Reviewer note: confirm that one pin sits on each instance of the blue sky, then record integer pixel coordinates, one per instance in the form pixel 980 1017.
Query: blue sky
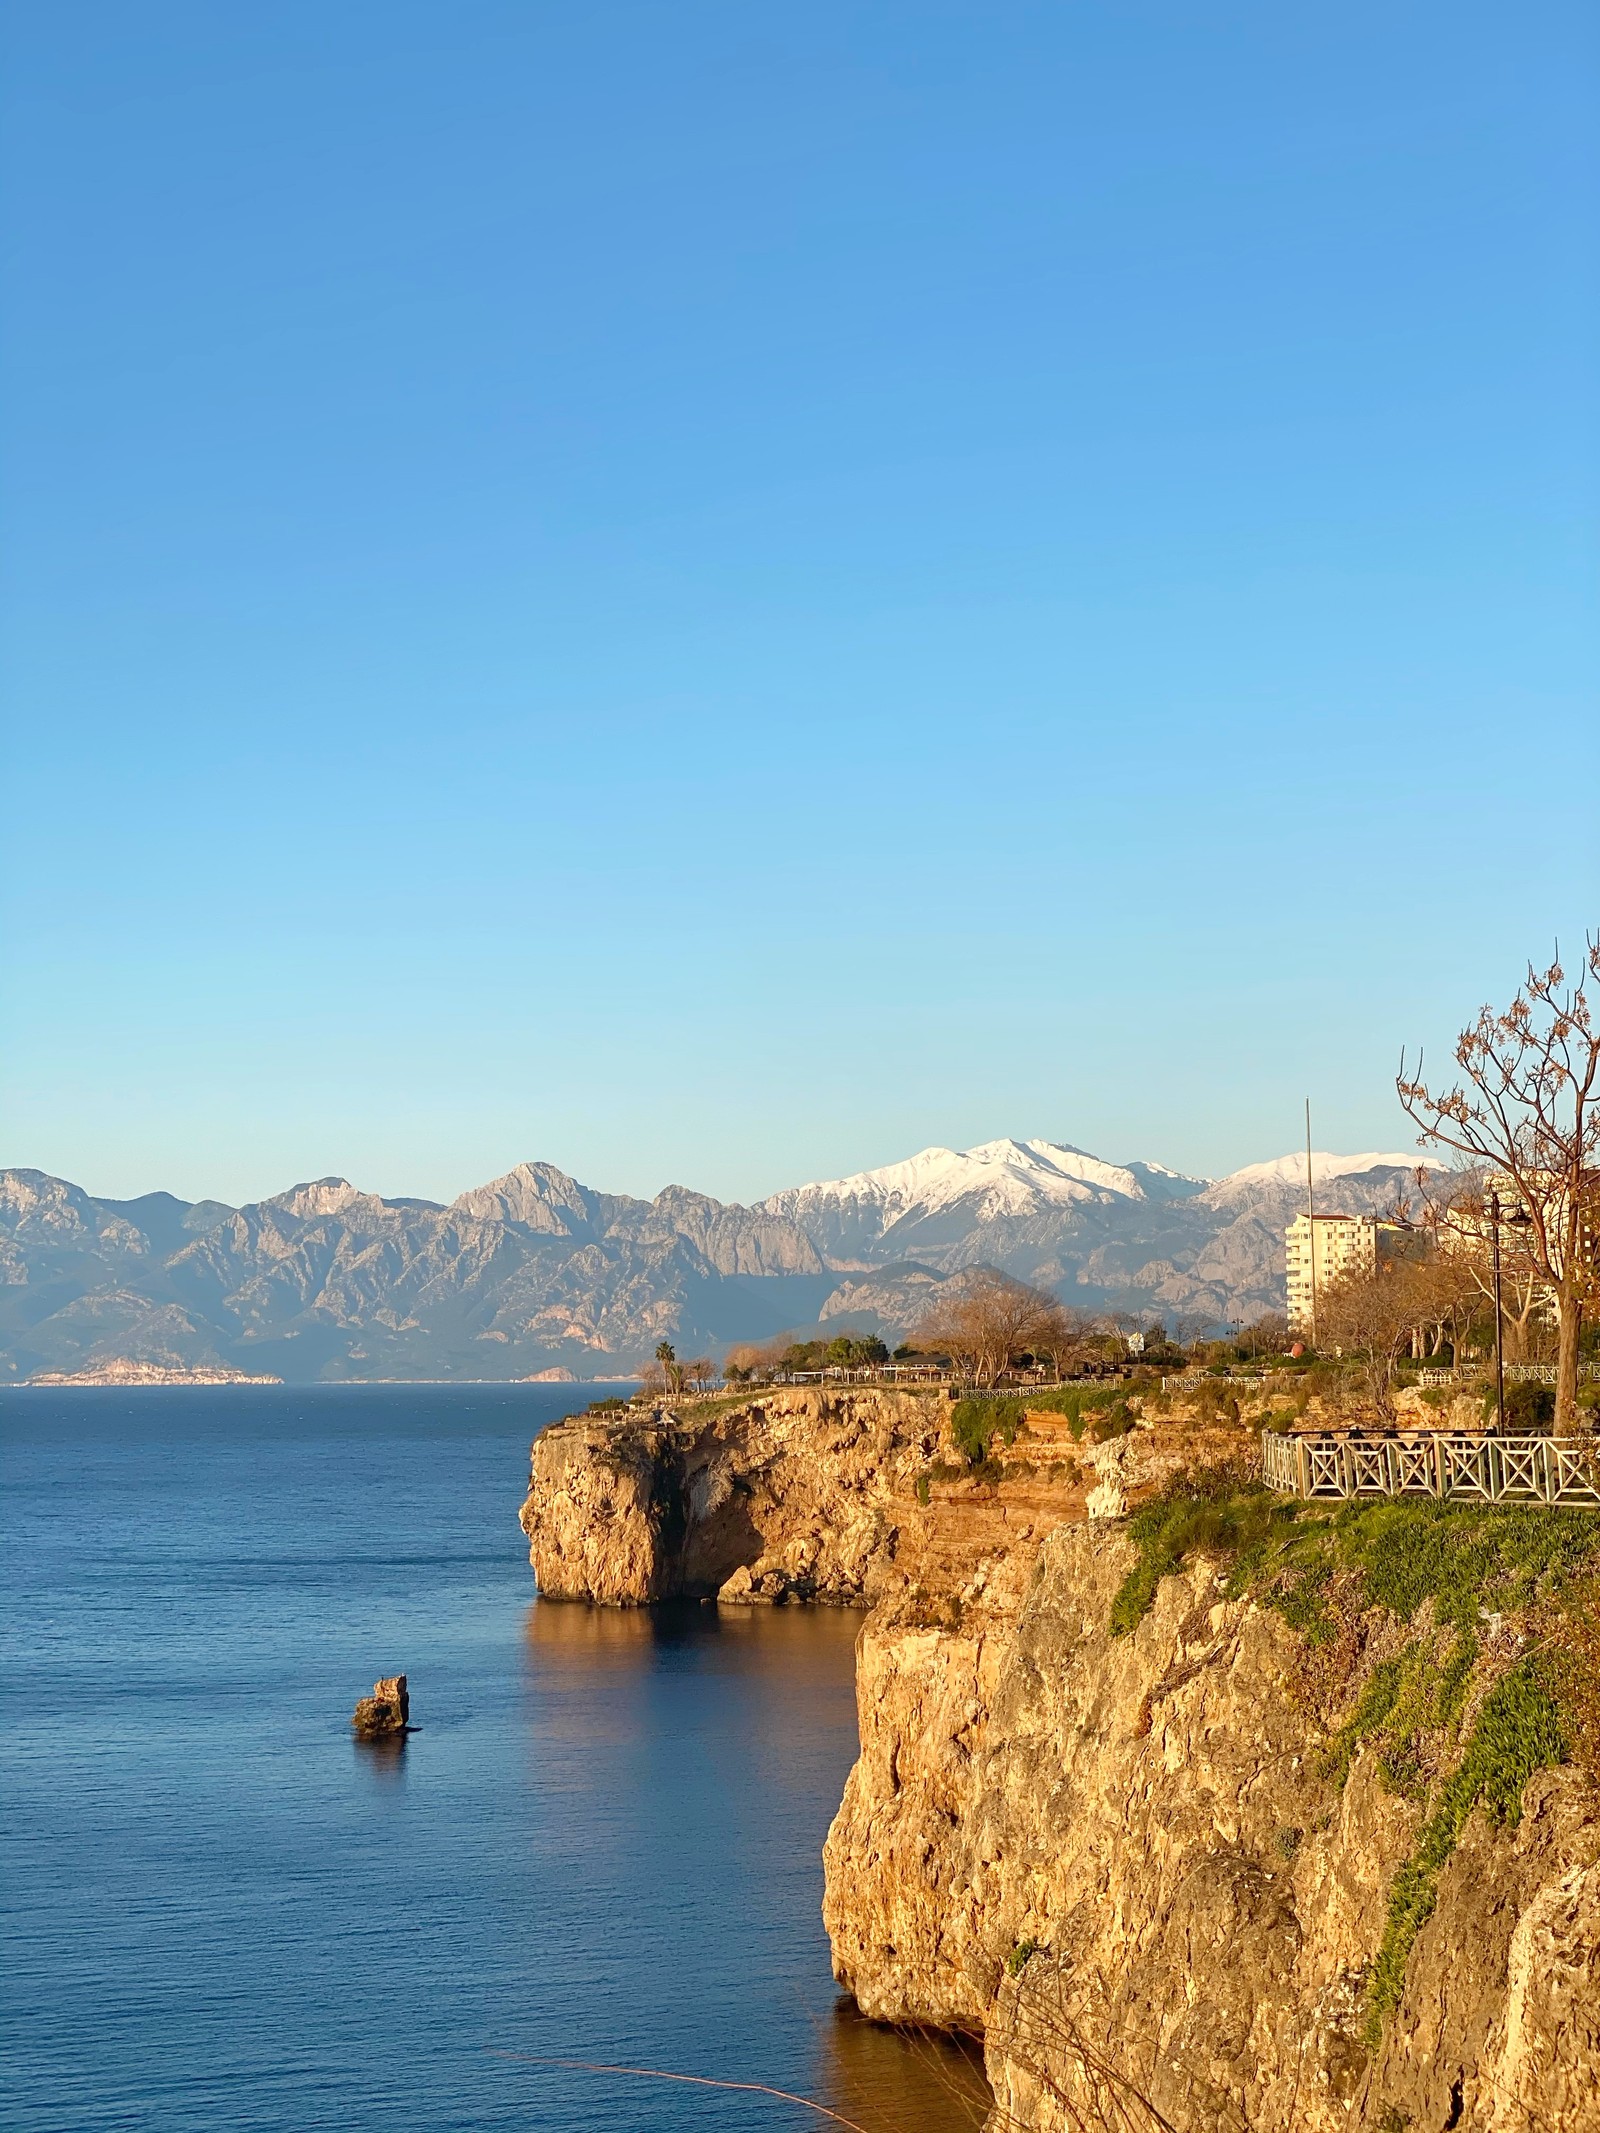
pixel 721 592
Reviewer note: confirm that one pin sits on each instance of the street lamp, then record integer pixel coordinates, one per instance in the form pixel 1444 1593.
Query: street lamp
pixel 1518 1219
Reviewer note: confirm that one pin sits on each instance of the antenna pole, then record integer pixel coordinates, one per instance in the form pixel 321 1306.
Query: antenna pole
pixel 1311 1227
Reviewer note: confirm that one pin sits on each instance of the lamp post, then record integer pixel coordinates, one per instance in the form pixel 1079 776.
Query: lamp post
pixel 1499 1343
pixel 1519 1218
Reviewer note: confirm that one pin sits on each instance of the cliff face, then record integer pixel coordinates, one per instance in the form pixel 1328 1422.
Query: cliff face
pixel 795 1495
pixel 1118 1860
pixel 1121 1860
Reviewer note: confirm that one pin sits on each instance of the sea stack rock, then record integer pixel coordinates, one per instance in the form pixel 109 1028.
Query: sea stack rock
pixel 386 1710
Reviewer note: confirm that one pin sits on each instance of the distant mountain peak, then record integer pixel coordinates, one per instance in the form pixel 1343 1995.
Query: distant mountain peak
pixel 534 1272
pixel 994 1179
pixel 1290 1170
pixel 532 1195
pixel 321 1196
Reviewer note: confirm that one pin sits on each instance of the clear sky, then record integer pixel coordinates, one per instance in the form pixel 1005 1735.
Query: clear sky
pixel 719 592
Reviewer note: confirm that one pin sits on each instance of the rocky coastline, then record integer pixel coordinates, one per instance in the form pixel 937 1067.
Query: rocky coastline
pixel 1124 1861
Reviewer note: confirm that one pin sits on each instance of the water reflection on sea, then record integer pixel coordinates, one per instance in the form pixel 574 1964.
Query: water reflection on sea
pixel 750 1709
pixel 602 1843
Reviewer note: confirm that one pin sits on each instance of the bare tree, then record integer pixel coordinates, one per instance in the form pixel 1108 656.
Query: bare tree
pixel 1528 1108
pixel 1267 1335
pixel 991 1319
pixel 1449 1296
pixel 755 1360
pixel 1376 1317
pixel 1065 1337
pixel 1462 1223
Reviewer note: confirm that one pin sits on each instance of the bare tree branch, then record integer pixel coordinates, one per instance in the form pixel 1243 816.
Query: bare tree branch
pixel 1527 1108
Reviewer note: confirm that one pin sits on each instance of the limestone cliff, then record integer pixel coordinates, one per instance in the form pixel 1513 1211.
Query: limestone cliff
pixel 793 1495
pixel 1121 1862
pixel 1124 1861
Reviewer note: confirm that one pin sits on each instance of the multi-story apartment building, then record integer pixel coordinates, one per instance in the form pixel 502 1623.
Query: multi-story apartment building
pixel 1468 1227
pixel 1334 1247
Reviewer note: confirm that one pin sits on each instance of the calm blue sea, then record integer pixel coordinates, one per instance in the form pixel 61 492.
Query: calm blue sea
pixel 602 1843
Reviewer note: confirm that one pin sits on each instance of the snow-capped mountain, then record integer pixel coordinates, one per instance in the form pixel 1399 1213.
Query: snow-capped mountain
pixel 1133 1236
pixel 1290 1170
pixel 943 1192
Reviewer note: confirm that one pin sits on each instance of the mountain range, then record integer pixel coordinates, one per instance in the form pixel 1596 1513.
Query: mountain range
pixel 534 1273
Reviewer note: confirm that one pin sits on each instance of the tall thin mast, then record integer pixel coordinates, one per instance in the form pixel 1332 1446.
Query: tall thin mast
pixel 1311 1227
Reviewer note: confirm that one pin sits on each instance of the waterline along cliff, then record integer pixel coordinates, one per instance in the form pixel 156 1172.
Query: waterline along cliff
pixel 1202 1809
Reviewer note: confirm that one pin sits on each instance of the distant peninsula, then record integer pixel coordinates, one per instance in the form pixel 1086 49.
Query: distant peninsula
pixel 122 1371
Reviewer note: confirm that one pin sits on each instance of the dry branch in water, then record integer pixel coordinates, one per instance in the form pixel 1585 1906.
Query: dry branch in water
pixel 695 2081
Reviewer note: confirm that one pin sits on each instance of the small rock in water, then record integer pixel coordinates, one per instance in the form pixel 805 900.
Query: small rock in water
pixel 387 1709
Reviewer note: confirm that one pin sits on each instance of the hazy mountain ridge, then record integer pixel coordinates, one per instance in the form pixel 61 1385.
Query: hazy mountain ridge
pixel 530 1271
pixel 534 1270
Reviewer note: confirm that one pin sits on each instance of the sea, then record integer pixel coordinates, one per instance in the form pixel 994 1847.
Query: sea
pixel 600 1844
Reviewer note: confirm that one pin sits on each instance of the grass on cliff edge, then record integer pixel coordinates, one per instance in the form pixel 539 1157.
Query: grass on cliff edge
pixel 1398 1552
pixel 1475 1564
pixel 977 1420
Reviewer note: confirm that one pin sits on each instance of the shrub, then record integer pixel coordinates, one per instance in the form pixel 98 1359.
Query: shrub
pixel 1216 1401
pixel 1437 1395
pixel 1115 1422
pixel 976 1422
pixel 1530 1407
pixel 1215 1510
pixel 981 1418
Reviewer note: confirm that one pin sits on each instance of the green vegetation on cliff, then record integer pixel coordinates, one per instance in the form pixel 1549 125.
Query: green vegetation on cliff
pixel 980 1418
pixel 1500 1599
pixel 1213 1510
pixel 1518 1732
pixel 1395 1553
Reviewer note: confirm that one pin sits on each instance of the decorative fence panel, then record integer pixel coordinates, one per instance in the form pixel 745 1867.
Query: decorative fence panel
pixel 1516 1374
pixel 1332 1465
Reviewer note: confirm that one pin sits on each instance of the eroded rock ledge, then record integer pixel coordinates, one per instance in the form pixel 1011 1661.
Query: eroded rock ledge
pixel 795 1495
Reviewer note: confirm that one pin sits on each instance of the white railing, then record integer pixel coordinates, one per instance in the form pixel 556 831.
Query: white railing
pixel 1516 1374
pixel 922 1374
pixel 1260 1381
pixel 1332 1465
